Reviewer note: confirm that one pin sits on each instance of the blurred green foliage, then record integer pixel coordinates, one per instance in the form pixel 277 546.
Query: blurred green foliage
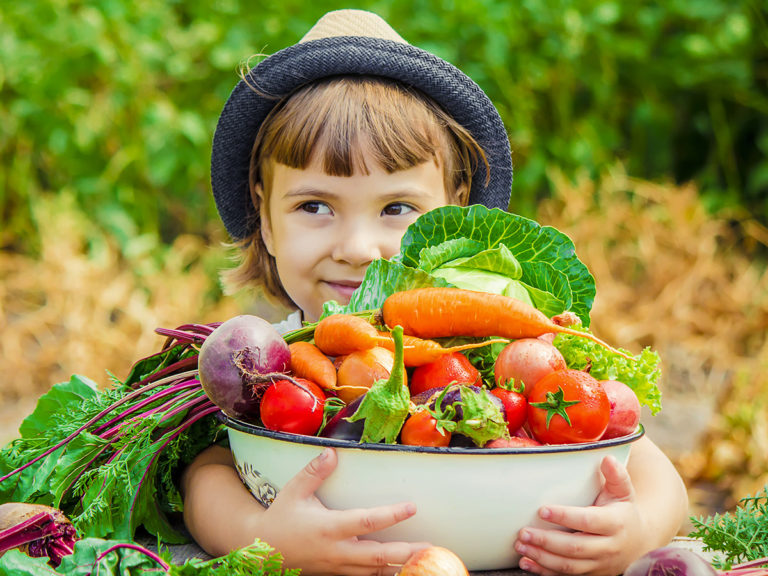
pixel 115 101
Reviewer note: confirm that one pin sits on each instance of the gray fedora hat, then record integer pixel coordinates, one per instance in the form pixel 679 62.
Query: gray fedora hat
pixel 350 42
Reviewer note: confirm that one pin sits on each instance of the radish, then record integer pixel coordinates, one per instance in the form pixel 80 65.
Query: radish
pixel 238 361
pixel 625 409
pixel 527 361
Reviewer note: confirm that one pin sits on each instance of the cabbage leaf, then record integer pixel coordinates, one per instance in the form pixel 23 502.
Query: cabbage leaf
pixel 448 241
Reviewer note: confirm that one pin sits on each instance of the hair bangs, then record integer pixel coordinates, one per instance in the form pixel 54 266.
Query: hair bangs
pixel 339 120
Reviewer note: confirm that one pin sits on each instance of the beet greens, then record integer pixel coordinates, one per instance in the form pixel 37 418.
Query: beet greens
pixel 110 458
pixel 96 556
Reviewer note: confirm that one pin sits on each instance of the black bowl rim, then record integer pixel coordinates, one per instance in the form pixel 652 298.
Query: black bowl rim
pixel 257 430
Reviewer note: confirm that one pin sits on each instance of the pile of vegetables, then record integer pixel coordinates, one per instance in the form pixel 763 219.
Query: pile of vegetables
pixel 358 381
pixel 503 309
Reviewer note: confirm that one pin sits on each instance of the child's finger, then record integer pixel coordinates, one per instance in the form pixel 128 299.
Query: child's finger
pixel 387 556
pixel 311 477
pixel 618 483
pixel 361 521
pixel 577 545
pixel 590 519
pixel 548 564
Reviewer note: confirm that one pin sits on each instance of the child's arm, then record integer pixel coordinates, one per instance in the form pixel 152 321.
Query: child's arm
pixel 221 514
pixel 640 507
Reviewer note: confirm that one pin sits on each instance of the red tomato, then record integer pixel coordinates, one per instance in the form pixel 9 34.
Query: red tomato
pixel 452 368
pixel 420 429
pixel 515 407
pixel 566 407
pixel 527 361
pixel 288 407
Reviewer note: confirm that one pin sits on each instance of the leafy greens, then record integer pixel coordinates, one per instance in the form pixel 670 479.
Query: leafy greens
pixel 503 252
pixel 117 558
pixel 742 535
pixel 109 459
pixel 641 373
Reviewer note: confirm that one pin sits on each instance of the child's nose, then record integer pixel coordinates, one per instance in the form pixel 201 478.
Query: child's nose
pixel 357 246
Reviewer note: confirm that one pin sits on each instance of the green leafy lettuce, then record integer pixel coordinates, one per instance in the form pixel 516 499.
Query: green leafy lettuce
pixel 495 251
pixel 641 372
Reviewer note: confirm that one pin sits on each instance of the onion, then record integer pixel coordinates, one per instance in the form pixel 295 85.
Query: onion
pixel 434 561
pixel 670 561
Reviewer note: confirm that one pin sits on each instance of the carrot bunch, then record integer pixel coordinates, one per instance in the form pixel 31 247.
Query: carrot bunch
pixel 424 314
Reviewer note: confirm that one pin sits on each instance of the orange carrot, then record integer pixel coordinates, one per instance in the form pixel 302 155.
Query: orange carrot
pixel 307 361
pixel 343 334
pixel 417 351
pixel 443 312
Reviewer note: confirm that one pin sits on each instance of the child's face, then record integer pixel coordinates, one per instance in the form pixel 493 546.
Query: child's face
pixel 323 230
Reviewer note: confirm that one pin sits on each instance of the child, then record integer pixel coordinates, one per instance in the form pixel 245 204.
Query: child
pixel 316 185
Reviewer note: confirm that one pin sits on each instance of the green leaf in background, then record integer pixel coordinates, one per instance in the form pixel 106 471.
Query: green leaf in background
pixel 524 240
pixel 77 389
pixel 117 101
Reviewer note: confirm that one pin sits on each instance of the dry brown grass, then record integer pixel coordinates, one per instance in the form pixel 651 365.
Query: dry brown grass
pixel 68 313
pixel 668 276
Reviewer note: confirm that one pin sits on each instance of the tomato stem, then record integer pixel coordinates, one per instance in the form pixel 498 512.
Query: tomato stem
pixel 556 404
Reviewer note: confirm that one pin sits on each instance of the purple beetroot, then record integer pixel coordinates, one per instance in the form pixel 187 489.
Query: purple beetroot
pixel 36 530
pixel 237 362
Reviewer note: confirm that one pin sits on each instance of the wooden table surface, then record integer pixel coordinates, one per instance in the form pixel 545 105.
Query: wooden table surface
pixel 183 552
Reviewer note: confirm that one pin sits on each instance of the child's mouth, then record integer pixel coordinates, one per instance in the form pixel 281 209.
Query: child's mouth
pixel 344 289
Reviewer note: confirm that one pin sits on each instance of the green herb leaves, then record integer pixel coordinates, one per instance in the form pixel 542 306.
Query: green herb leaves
pixel 742 535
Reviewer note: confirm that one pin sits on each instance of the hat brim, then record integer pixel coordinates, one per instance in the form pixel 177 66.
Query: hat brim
pixel 292 67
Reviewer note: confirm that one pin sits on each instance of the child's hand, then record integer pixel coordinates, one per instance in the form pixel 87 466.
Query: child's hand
pixel 608 535
pixel 323 541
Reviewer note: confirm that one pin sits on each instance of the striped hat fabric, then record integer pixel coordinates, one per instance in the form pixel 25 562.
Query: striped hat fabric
pixel 349 42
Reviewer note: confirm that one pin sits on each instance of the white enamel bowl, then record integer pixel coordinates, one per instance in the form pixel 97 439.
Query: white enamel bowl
pixel 471 501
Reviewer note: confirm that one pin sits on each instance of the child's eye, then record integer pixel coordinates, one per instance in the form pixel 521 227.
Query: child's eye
pixel 315 208
pixel 397 209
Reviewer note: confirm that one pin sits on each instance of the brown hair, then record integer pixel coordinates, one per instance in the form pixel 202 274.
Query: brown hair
pixel 338 119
